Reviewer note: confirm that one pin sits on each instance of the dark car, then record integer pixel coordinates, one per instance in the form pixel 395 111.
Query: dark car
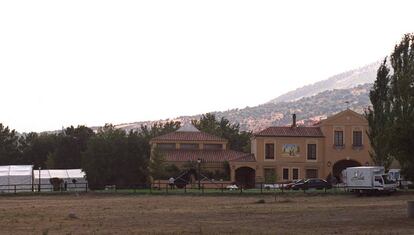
pixel 290 185
pixel 312 184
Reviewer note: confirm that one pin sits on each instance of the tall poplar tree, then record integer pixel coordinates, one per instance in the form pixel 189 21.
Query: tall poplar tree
pixel 402 103
pixel 379 118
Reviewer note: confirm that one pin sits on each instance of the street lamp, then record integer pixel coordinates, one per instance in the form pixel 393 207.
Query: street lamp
pixel 198 170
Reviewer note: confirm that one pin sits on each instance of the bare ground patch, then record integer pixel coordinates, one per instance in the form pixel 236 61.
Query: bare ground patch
pixel 117 214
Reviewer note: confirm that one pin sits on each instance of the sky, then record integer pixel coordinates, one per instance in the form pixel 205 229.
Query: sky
pixel 94 62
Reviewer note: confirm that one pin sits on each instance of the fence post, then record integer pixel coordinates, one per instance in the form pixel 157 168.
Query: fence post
pixel 15 191
pixel 135 188
pixel 241 189
pixel 202 188
pixel 150 188
pixel 166 188
pixel 86 187
pixel 185 188
pixel 261 188
pixel 282 187
pixel 222 187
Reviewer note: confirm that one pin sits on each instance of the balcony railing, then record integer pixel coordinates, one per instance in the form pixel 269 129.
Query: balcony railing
pixel 357 146
pixel 339 146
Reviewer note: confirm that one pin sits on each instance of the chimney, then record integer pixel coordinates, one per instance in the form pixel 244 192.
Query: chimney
pixel 294 120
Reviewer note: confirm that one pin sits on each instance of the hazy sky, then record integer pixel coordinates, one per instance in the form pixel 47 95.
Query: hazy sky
pixel 96 62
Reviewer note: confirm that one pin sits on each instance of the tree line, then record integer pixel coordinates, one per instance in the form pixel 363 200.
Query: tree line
pixel 108 155
pixel 391 117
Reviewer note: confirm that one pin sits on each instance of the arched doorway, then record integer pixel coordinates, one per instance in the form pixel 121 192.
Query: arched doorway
pixel 341 165
pixel 245 176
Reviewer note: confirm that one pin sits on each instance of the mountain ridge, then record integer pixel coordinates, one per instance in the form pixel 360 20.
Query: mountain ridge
pixel 345 80
pixel 310 103
pixel 309 110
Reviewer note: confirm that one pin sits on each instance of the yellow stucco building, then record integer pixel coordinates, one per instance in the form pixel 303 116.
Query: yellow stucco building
pixel 278 153
pixel 284 154
pixel 189 145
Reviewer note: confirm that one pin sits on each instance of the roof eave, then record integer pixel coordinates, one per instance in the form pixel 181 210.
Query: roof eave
pixel 294 136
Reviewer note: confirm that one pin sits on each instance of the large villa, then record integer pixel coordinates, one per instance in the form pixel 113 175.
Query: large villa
pixel 278 153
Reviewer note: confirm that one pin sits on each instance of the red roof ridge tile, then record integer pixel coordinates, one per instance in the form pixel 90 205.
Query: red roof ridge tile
pixel 219 155
pixel 286 131
pixel 188 136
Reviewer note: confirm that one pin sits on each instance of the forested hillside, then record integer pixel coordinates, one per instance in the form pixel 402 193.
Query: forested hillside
pixel 309 110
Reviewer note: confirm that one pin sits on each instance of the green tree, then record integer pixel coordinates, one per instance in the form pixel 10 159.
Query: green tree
pixel 171 170
pixel 238 140
pixel 9 146
pixel 402 103
pixel 69 146
pixel 158 129
pixel 35 148
pixel 157 165
pixel 379 118
pixel 115 157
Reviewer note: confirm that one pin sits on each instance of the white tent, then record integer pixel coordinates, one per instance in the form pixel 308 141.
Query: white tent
pixel 74 178
pixel 16 178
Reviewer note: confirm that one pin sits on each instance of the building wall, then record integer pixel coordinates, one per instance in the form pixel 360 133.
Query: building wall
pixel 347 122
pixel 284 160
pixel 327 154
pixel 205 166
pixel 208 166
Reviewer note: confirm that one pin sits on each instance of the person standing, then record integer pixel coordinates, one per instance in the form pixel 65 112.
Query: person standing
pixel 171 182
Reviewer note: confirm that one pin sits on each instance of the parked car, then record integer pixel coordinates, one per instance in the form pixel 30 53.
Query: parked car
pixel 312 184
pixel 290 185
pixel 232 187
pixel 271 186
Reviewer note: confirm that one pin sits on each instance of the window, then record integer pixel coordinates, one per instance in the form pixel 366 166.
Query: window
pixel 295 173
pixel 188 146
pixel 166 146
pixel 269 151
pixel 357 138
pixel 213 146
pixel 311 151
pixel 339 138
pixel 285 174
pixel 378 180
pixel 270 175
pixel 311 173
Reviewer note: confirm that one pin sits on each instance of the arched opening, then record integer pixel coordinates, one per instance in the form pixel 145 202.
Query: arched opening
pixel 245 177
pixel 341 165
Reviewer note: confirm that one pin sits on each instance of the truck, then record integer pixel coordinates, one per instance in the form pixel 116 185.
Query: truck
pixel 368 180
pixel 395 174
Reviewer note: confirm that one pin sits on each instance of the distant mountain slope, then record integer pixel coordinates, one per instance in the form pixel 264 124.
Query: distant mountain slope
pixel 310 103
pixel 309 110
pixel 366 74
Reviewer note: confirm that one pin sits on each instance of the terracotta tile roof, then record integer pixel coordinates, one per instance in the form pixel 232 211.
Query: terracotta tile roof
pixel 245 158
pixel 188 136
pixel 287 131
pixel 180 155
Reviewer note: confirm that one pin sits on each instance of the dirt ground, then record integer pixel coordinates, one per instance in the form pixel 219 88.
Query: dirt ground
pixel 138 214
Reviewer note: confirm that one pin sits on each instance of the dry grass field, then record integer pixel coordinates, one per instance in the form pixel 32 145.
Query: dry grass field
pixel 138 214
